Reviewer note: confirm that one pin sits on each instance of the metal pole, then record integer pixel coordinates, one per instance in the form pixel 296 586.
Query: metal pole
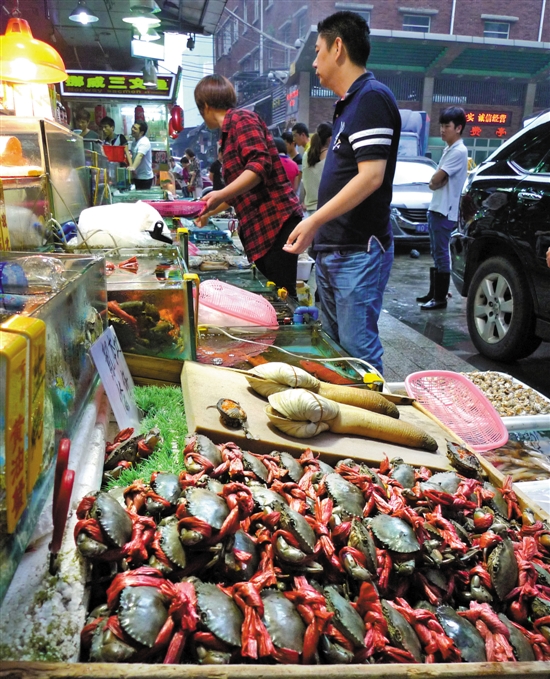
pixel 453 17
pixel 261 37
pixel 541 20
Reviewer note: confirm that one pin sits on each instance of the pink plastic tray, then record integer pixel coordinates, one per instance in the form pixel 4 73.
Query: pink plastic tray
pixel 177 208
pixel 459 404
pixel 237 303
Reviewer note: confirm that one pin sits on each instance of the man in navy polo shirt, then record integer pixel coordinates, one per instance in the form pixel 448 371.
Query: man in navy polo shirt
pixel 351 232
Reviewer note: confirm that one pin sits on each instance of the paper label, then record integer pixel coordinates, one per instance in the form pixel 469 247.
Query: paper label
pixel 117 380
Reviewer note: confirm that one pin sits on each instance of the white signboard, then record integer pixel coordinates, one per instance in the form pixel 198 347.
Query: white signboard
pixel 117 380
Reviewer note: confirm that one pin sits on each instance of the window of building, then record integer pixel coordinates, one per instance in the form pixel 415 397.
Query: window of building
pixel 302 25
pixel 235 30
pixel 245 17
pixel 256 61
pixel 361 9
pixel 269 56
pixel 256 11
pixel 226 38
pixel 416 23
pixel 496 29
pixel 285 37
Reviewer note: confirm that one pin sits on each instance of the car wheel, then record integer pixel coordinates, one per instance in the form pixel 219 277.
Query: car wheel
pixel 500 312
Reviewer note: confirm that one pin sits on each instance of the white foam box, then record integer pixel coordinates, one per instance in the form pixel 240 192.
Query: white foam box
pixel 304 269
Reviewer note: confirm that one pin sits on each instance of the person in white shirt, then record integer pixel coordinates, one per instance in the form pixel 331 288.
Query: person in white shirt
pixel 142 163
pixel 446 183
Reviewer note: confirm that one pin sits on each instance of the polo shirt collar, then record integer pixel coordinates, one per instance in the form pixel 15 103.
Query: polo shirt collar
pixel 357 84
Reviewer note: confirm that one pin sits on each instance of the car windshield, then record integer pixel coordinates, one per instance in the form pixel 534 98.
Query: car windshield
pixel 413 173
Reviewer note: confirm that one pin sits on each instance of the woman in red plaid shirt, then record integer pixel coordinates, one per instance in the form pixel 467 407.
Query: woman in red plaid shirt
pixel 256 184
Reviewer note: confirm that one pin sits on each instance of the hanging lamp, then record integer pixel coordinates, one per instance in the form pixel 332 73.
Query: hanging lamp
pixel 142 15
pixel 82 15
pixel 24 59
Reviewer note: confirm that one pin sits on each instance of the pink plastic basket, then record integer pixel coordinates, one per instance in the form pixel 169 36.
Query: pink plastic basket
pixel 178 208
pixel 460 405
pixel 241 305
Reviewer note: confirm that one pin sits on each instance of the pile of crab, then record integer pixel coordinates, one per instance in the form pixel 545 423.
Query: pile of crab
pixel 268 558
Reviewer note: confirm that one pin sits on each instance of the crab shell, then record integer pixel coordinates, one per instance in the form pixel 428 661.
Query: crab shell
pixel 291 464
pixel 231 413
pixel 240 572
pixel 205 447
pixel 171 543
pixel 497 502
pixel 347 497
pixel 335 654
pixel 142 613
pixel 255 465
pixel 403 473
pixel 106 647
pixel 401 633
pixel 543 576
pixel 296 524
pixel 363 469
pixel 540 607
pixel 465 462
pixel 395 533
pixel 466 637
pixel 266 498
pixel 167 486
pixel 346 619
pixel 283 622
pixel 207 506
pixel 522 648
pixel 113 519
pixel 503 568
pixel 446 482
pixel 219 613
pixel 360 538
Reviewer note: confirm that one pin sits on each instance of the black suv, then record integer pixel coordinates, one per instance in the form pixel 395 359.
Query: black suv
pixel 499 248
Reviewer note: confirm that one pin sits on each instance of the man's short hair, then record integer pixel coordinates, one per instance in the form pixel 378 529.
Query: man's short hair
pixel 189 152
pixel 354 32
pixel 287 136
pixel 300 128
pixel 280 144
pixel 82 114
pixel 142 126
pixel 453 114
pixel 216 91
pixel 107 121
pixel 184 160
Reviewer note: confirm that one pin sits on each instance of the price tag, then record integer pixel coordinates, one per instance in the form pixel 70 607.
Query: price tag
pixel 117 380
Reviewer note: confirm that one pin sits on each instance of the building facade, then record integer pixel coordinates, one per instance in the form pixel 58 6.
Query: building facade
pixel 491 58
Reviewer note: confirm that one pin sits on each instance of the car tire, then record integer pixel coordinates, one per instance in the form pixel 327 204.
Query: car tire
pixel 500 311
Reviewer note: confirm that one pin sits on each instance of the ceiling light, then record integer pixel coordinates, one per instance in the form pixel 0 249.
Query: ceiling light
pixel 82 15
pixel 142 21
pixel 149 36
pixel 191 43
pixel 24 59
pixel 149 73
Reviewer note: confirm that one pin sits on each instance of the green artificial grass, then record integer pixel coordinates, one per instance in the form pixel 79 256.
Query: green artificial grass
pixel 163 408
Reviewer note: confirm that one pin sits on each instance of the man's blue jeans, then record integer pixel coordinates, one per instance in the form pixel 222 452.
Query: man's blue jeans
pixel 351 286
pixel 441 229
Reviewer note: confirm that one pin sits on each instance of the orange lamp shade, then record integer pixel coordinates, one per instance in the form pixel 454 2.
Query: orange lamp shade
pixel 23 59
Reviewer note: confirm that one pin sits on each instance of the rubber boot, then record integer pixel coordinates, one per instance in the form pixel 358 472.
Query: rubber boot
pixel 429 296
pixel 441 285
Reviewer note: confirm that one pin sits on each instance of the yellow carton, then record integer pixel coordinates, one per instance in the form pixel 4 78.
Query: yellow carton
pixel 34 332
pixel 13 405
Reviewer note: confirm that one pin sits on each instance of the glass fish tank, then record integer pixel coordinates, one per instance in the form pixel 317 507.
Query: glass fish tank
pixel 150 302
pixel 526 456
pixel 66 292
pixel 248 347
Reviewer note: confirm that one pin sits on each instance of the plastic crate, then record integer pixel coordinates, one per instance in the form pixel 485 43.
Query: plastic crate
pixel 460 405
pixel 178 208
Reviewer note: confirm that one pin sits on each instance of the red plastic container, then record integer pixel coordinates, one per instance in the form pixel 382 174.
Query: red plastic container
pixel 116 154
pixel 178 208
pixel 460 405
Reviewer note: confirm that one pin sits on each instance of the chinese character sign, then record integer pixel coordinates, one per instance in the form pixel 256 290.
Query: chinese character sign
pixel 116 378
pixel 500 118
pixel 121 85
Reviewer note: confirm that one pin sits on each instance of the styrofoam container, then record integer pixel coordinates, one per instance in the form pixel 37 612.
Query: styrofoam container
pixel 304 269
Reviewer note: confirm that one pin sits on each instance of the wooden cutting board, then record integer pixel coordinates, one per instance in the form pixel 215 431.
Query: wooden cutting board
pixel 204 385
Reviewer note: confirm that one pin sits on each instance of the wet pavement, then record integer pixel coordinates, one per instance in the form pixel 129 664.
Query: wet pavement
pixel 446 329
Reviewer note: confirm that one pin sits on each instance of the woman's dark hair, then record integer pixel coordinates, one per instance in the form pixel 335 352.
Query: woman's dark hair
pixel 216 91
pixel 190 153
pixel 354 32
pixel 318 139
pixel 280 144
pixel 453 114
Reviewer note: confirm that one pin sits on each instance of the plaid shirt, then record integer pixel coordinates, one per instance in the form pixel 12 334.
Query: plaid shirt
pixel 247 144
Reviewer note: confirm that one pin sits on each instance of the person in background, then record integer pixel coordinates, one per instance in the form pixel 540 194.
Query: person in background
pixel 215 172
pixel 142 163
pixel 107 126
pixel 256 184
pixel 82 122
pixel 300 134
pixel 351 230
pixel 185 176
pixel 291 150
pixel 446 184
pixel 195 179
pixel 291 168
pixel 548 257
pixel 313 164
pixel 176 170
